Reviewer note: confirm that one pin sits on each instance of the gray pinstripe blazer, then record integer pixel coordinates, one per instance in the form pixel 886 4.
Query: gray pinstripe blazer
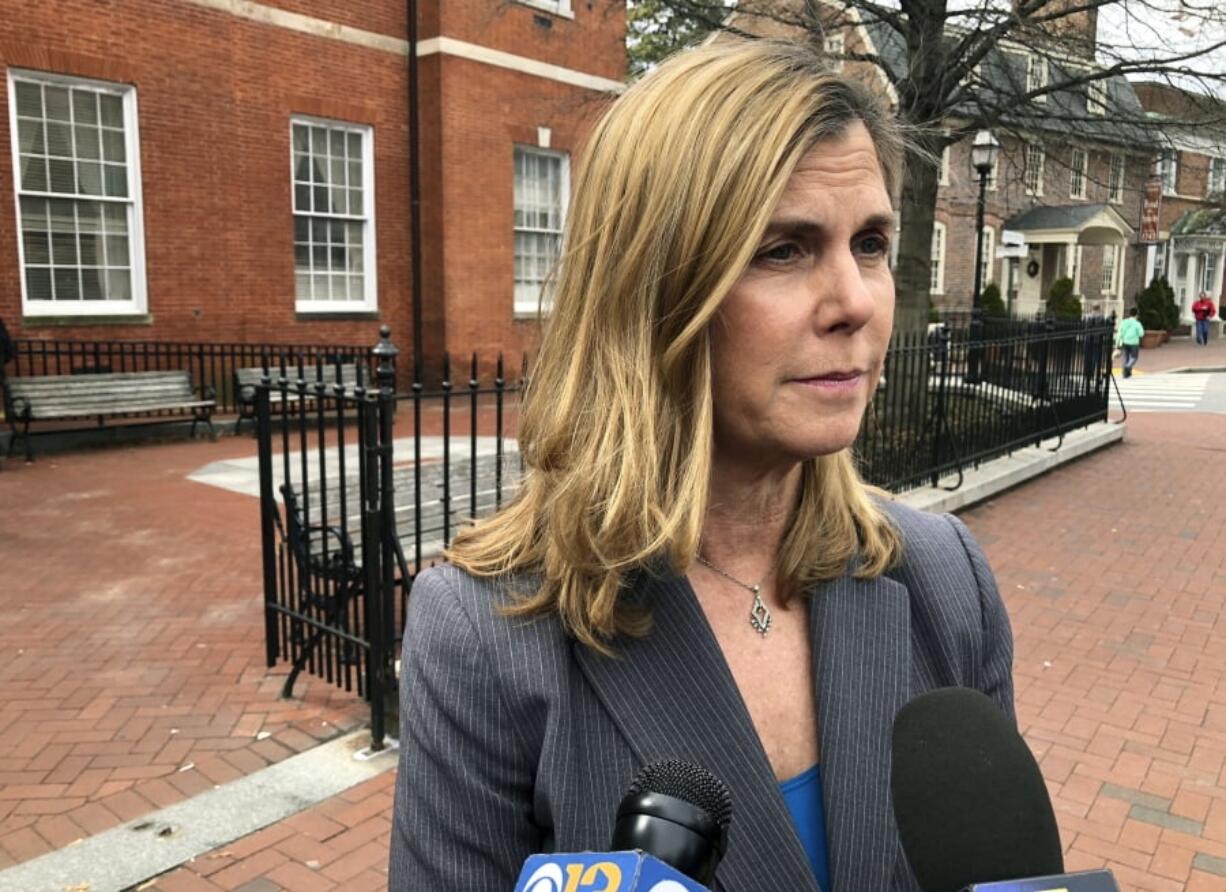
pixel 515 740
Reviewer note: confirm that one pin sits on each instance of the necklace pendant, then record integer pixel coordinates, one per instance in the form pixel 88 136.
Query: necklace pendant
pixel 760 615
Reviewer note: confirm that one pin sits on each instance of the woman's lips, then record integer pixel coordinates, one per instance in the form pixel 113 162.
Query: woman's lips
pixel 835 382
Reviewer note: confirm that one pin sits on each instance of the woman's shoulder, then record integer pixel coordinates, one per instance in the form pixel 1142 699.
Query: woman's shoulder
pixel 922 531
pixel 476 602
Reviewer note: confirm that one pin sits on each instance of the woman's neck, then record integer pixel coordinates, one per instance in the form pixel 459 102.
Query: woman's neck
pixel 748 510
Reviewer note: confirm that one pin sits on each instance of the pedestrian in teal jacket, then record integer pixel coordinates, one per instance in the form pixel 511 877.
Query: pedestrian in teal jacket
pixel 1129 337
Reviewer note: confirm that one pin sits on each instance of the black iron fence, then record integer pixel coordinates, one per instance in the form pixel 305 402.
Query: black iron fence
pixel 950 400
pixel 213 365
pixel 359 490
pixel 364 486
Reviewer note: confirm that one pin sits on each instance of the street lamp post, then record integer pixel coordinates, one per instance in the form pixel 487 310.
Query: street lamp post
pixel 984 150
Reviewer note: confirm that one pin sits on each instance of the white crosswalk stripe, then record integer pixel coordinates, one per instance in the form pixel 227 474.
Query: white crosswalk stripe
pixel 1163 392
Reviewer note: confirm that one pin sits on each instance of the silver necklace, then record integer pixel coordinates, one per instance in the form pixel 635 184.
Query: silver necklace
pixel 759 613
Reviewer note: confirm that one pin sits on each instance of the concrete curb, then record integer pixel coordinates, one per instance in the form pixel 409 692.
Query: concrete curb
pixel 991 478
pixel 126 856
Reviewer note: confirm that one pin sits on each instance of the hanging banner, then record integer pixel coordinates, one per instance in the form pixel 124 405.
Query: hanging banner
pixel 1151 210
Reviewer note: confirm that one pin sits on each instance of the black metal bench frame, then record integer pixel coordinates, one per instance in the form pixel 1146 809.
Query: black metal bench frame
pixel 19 409
pixel 334 564
pixel 244 391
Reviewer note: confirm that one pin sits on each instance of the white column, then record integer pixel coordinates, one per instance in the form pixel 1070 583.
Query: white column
pixel 1151 263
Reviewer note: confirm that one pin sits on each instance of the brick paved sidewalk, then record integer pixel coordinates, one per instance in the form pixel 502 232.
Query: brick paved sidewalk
pixel 131 644
pixel 130 649
pixel 1114 572
pixel 1182 353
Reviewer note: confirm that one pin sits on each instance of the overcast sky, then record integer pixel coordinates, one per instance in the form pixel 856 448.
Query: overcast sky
pixel 1150 30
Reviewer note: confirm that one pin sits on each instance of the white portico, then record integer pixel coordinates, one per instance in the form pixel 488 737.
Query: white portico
pixel 1056 238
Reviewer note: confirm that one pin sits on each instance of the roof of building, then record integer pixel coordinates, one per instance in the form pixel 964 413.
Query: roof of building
pixel 1003 74
pixel 1202 221
pixel 1069 216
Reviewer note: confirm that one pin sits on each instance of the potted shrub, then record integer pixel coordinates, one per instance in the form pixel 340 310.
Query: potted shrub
pixel 991 301
pixel 1062 303
pixel 1158 312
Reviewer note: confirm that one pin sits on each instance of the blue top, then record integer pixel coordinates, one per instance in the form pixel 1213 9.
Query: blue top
pixel 803 795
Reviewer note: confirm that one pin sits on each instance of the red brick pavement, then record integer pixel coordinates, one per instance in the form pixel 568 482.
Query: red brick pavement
pixel 1114 572
pixel 1183 353
pixel 116 569
pixel 131 644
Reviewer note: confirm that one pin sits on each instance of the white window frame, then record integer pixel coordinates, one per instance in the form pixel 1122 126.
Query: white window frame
pixel 1215 182
pixel 1208 274
pixel 542 303
pixel 138 305
pixel 936 272
pixel 834 46
pixel 1168 171
pixel 989 247
pixel 563 8
pixel 1078 173
pixel 1115 185
pixel 1035 150
pixel 370 283
pixel 1036 75
pixel 1096 97
pixel 1107 284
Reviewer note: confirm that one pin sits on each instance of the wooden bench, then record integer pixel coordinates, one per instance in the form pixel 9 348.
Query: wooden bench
pixel 437 518
pixel 56 397
pixel 247 379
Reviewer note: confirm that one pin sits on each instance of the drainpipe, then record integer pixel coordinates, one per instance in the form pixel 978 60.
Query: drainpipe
pixel 414 190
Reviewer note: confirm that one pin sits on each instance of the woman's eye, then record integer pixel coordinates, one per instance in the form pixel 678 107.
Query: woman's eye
pixel 779 253
pixel 874 245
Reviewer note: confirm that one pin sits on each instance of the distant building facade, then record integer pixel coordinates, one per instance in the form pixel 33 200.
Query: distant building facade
pixel 1191 170
pixel 203 171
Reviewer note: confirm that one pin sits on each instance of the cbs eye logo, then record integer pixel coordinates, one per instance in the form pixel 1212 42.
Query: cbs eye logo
pixel 604 876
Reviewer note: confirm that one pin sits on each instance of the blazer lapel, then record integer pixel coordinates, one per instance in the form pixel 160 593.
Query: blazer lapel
pixel 672 695
pixel 861 665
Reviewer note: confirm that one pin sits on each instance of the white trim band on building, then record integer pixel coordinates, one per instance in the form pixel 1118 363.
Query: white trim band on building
pixel 448 46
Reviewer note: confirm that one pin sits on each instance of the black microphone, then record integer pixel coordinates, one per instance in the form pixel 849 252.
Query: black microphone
pixel 968 795
pixel 679 813
pixel 670 833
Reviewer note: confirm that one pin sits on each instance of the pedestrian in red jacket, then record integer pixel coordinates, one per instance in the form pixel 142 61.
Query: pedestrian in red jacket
pixel 1202 311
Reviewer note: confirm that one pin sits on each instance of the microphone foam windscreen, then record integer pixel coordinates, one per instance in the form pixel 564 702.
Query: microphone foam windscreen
pixel 968 795
pixel 689 783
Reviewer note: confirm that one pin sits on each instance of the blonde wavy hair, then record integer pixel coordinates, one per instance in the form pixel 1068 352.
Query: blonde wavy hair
pixel 679 181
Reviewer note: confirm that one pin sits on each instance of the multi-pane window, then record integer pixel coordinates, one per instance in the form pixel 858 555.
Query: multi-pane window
pixel 1115 181
pixel 1168 171
pixel 78 195
pixel 834 50
pixel 1217 176
pixel 1036 76
pixel 1107 286
pixel 334 244
pixel 1033 175
pixel 540 207
pixel 1208 273
pixel 1096 97
pixel 936 269
pixel 1078 163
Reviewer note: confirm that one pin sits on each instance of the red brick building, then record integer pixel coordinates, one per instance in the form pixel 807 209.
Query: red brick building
pixel 1191 248
pixel 216 170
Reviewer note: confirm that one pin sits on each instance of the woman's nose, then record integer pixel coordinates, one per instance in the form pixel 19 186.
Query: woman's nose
pixel 843 299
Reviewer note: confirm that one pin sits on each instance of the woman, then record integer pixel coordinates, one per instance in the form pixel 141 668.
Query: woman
pixel 692 567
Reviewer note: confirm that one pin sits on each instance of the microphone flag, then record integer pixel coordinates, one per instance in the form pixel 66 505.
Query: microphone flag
pixel 602 872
